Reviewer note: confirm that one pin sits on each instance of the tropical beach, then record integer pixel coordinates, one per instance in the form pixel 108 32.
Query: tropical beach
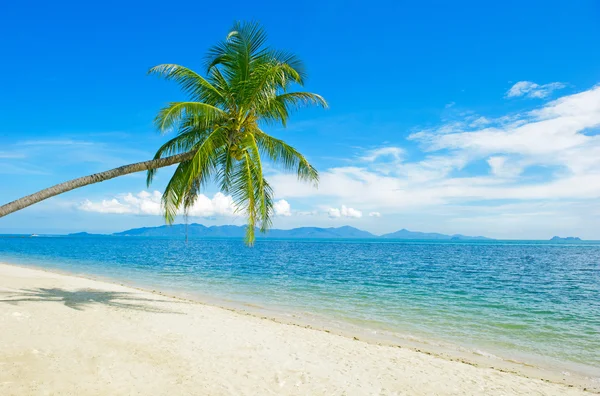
pixel 75 336
pixel 325 198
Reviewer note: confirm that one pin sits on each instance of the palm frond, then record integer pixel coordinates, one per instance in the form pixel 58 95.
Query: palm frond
pixel 278 107
pixel 171 116
pixel 243 191
pixel 227 165
pixel 247 84
pixel 266 81
pixel 183 142
pixel 244 43
pixel 291 60
pixel 297 100
pixel 196 86
pixel 287 157
pixel 221 83
pixel 175 191
pixel 191 175
pixel 264 192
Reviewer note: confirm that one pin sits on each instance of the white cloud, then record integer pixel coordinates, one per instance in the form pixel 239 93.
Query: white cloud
pixel 146 203
pixel 57 142
pixel 307 213
pixel 334 213
pixel 75 153
pixel 282 208
pixel 106 206
pixel 344 211
pixel 553 134
pixel 374 214
pixel 11 155
pixel 22 169
pixel 394 153
pixel 532 90
pixel 349 212
pixel 502 167
pixel 143 203
pixel 219 205
pixel 558 140
pixel 479 122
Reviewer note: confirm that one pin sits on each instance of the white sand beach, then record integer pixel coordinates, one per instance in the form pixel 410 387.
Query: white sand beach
pixel 66 335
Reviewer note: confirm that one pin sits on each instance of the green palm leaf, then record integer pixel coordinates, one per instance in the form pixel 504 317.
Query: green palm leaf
pixel 247 84
pixel 192 83
pixel 287 157
pixel 171 116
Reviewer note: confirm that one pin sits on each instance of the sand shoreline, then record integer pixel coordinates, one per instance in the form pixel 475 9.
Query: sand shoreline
pixel 401 376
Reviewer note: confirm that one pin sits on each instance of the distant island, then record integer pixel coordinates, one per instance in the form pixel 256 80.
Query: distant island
pixel 84 234
pixel 406 234
pixel 196 230
pixel 567 239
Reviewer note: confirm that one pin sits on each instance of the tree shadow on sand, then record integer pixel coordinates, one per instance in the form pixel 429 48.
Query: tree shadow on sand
pixel 86 298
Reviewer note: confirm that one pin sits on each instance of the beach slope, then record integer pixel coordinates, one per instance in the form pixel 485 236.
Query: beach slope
pixel 74 336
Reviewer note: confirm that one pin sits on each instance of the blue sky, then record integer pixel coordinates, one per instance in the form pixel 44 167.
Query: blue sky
pixel 459 117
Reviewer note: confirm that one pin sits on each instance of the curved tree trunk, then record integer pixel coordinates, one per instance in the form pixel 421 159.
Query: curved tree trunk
pixel 91 179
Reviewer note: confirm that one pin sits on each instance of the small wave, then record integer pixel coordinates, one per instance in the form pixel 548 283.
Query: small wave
pixel 486 354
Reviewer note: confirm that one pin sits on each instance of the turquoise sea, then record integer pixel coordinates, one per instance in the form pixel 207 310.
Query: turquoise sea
pixel 525 301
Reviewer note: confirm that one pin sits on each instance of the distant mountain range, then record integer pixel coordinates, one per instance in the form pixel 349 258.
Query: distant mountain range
pixel 406 234
pixel 567 239
pixel 231 231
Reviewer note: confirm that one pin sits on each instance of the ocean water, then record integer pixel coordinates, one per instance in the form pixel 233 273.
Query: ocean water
pixel 516 300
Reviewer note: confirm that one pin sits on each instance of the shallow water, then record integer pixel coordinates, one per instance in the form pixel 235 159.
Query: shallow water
pixel 512 299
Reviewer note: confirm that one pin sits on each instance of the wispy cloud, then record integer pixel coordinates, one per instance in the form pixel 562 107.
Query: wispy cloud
pixel 501 166
pixel 479 122
pixel 26 156
pixel 552 134
pixel 18 169
pixel 532 90
pixel 498 157
pixel 11 155
pixel 55 142
pixel 394 153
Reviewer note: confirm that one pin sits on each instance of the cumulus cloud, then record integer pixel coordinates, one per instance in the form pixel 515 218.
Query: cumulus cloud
pixel 282 208
pixel 374 214
pixel 149 203
pixel 344 211
pixel 558 141
pixel 219 205
pixel 349 212
pixel 106 206
pixel 532 90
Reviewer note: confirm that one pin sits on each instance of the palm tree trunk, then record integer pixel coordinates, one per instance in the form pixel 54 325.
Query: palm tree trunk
pixel 91 179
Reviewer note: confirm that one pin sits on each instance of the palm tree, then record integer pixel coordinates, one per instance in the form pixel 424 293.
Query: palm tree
pixel 220 137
